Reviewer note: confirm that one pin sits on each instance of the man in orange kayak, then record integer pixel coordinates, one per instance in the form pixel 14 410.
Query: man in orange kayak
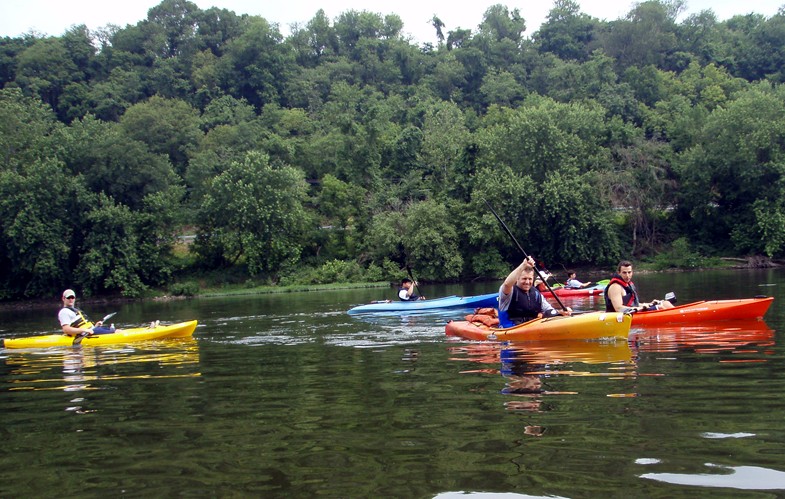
pixel 621 295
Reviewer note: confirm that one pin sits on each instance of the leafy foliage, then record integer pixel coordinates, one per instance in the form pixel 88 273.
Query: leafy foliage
pixel 348 147
pixel 253 211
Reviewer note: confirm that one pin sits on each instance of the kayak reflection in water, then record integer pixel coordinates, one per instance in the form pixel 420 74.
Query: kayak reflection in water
pixel 75 322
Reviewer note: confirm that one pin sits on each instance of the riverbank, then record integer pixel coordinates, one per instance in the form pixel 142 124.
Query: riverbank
pixel 245 289
pixel 239 290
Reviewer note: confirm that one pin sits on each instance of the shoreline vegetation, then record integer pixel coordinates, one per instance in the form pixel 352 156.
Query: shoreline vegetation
pixel 245 289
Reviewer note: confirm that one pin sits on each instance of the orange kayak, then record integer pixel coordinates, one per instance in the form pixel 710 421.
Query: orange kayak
pixel 590 326
pixel 705 311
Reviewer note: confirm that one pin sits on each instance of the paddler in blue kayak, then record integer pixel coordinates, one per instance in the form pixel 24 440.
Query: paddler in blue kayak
pixel 621 295
pixel 520 300
pixel 406 291
pixel 75 322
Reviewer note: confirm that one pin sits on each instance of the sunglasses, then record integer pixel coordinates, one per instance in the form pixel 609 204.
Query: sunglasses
pixel 70 297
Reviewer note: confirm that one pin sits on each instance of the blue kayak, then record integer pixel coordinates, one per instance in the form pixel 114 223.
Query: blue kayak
pixel 467 302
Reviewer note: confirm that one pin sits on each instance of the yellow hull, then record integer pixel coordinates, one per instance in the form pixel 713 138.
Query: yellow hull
pixel 121 336
pixel 591 326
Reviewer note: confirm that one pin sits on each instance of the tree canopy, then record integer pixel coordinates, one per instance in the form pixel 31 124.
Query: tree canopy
pixel 345 141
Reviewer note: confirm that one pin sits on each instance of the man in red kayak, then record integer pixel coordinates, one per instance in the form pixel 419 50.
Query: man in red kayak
pixel 621 295
pixel 574 283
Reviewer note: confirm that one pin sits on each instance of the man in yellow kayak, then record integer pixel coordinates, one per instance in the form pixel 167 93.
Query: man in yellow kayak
pixel 75 322
pixel 520 300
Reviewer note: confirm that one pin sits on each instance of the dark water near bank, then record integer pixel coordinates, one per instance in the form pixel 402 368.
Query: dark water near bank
pixel 288 396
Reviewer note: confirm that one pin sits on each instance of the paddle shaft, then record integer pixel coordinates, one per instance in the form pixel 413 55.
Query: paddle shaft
pixel 525 255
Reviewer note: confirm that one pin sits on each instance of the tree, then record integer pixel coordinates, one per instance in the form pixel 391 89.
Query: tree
pixel 732 187
pixel 567 33
pixel 45 69
pixel 115 164
pixel 38 228
pixel 254 212
pixel 421 237
pixel 340 204
pixel 646 36
pixel 26 128
pixel 445 138
pixel 256 65
pixel 167 126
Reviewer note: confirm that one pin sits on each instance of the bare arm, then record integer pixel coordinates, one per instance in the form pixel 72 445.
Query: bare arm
pixel 513 276
pixel 615 294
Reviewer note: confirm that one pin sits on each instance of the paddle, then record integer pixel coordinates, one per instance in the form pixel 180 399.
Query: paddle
pixel 409 270
pixel 507 230
pixel 79 337
pixel 670 296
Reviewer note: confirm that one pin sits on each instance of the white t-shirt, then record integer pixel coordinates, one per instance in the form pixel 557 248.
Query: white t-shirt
pixel 66 316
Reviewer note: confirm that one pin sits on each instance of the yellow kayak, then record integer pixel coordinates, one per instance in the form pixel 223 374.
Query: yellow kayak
pixel 121 336
pixel 590 326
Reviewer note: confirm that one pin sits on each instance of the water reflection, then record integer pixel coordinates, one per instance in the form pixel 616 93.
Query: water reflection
pixel 733 477
pixel 528 368
pixel 735 337
pixel 78 369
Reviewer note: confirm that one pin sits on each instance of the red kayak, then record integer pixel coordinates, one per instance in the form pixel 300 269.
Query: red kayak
pixel 574 291
pixel 705 311
pixel 561 290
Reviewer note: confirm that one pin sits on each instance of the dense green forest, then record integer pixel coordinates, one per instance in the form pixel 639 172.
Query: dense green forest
pixel 345 151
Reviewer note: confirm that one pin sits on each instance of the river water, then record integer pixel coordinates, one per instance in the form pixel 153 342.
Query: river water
pixel 288 396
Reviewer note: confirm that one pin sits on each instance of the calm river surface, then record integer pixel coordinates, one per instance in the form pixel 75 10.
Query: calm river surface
pixel 289 396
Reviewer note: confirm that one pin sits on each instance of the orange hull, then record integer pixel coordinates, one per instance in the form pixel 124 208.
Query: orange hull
pixel 705 311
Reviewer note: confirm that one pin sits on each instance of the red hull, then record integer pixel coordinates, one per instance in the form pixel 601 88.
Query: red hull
pixel 573 292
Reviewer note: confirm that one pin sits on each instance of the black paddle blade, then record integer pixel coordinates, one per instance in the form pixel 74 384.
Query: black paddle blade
pixel 78 338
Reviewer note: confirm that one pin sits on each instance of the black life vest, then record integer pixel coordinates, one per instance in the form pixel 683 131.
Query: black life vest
pixel 629 298
pixel 412 297
pixel 524 306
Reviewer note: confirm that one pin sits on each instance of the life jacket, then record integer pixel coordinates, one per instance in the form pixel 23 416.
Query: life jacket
pixel 628 299
pixel 524 306
pixel 412 297
pixel 81 322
